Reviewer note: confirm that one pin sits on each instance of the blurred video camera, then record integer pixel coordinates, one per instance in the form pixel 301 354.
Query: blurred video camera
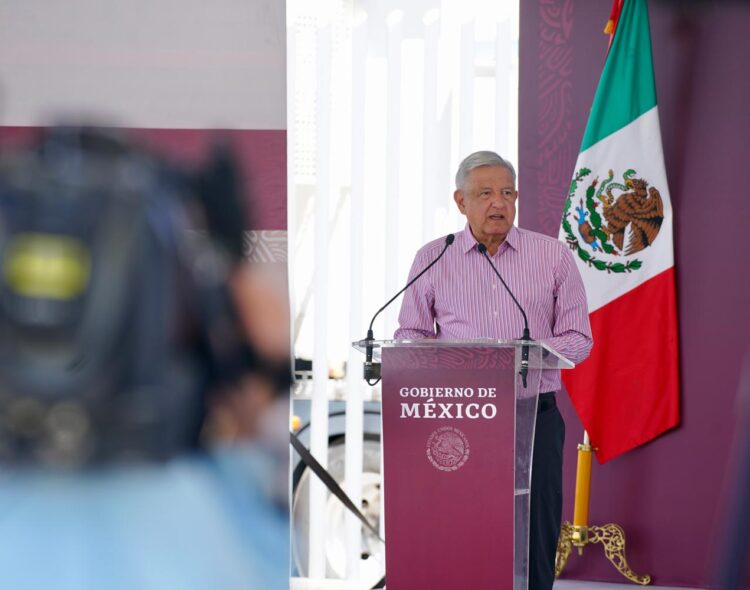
pixel 115 320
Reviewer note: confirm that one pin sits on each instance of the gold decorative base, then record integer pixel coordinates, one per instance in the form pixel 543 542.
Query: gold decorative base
pixel 612 538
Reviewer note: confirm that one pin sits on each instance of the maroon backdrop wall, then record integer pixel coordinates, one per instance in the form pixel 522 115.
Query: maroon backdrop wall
pixel 260 155
pixel 668 495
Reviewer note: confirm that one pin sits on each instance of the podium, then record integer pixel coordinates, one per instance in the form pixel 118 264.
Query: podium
pixel 458 436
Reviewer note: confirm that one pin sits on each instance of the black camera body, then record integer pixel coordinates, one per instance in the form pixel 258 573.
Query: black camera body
pixel 104 354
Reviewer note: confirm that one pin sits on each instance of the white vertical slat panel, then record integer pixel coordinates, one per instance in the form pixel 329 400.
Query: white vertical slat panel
pixel 447 102
pixel 411 206
pixel 466 90
pixel 392 164
pixel 512 109
pixel 431 188
pixel 504 86
pixel 375 65
pixel 319 406
pixel 354 383
pixel 374 205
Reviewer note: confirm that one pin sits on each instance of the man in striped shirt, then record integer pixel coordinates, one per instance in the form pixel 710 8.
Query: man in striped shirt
pixel 460 298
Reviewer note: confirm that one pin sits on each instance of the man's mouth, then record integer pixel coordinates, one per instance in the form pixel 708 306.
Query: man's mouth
pixel 497 217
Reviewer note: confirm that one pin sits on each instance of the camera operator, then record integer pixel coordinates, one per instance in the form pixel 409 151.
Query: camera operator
pixel 144 374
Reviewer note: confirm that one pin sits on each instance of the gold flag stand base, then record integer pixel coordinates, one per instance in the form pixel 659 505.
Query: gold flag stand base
pixel 612 539
pixel 579 534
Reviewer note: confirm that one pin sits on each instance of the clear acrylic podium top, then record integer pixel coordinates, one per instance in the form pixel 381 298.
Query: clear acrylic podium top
pixel 546 357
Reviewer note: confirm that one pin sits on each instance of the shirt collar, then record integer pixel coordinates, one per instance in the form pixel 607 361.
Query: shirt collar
pixel 466 240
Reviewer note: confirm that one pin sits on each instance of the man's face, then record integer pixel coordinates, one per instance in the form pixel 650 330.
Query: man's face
pixel 488 199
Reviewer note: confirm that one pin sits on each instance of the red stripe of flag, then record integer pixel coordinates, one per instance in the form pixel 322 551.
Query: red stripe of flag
pixel 626 393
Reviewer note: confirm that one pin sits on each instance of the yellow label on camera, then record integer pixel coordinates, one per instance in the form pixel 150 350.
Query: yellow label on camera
pixel 47 266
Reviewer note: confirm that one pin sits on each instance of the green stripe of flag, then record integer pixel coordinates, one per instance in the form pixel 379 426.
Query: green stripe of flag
pixel 626 88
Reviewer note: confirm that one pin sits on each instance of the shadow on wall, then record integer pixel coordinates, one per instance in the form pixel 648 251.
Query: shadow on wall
pixel 734 557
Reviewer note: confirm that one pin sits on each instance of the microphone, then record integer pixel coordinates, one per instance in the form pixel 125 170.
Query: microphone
pixel 526 336
pixel 371 369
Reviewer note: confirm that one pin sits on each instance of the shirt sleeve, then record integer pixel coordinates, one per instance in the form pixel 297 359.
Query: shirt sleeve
pixel 417 317
pixel 571 329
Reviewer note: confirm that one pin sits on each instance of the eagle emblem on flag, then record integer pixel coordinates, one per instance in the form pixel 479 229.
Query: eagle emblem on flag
pixel 613 220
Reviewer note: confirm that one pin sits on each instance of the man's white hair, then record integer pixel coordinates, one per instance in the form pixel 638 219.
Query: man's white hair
pixel 482 158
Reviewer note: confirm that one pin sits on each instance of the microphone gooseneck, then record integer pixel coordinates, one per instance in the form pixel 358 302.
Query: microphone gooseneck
pixel 526 336
pixel 371 369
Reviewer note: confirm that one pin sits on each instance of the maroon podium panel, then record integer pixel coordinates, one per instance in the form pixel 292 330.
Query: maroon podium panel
pixel 448 438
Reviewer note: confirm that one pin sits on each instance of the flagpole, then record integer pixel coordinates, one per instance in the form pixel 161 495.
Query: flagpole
pixel 579 533
pixel 615 138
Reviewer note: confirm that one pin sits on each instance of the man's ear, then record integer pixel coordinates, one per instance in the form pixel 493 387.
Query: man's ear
pixel 458 196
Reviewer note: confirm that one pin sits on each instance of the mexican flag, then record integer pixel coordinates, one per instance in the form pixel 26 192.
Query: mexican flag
pixel 618 222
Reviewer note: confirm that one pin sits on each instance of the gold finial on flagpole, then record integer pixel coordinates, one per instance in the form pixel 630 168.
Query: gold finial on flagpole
pixel 579 533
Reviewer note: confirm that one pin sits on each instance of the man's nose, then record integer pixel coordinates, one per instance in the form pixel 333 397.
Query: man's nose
pixel 497 199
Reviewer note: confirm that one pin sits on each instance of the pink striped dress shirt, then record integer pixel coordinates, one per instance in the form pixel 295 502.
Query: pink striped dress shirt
pixel 461 298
